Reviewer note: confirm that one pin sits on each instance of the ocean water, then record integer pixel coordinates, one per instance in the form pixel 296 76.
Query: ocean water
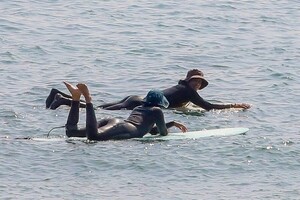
pixel 248 50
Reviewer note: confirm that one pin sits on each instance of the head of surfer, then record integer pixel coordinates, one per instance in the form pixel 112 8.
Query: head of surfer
pixel 156 98
pixel 195 79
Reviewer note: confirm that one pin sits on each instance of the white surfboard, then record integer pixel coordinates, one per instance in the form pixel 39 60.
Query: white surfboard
pixel 58 139
pixel 192 109
pixel 49 139
pixel 171 136
pixel 198 134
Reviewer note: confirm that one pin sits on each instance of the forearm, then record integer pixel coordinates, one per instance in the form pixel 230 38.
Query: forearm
pixel 209 106
pixel 155 131
pixel 170 124
pixel 221 106
pixel 233 105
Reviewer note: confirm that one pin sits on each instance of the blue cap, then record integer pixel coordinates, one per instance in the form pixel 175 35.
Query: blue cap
pixel 156 98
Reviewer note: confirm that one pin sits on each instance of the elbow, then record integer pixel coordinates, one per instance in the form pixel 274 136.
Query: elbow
pixel 164 133
pixel 208 108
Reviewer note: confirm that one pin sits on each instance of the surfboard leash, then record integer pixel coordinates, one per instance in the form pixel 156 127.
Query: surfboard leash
pixel 55 128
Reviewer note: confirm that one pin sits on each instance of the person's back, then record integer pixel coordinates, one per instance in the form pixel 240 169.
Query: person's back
pixel 178 95
pixel 182 94
pixel 145 117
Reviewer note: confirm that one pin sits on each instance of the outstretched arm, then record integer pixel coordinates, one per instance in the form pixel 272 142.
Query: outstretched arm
pixel 199 101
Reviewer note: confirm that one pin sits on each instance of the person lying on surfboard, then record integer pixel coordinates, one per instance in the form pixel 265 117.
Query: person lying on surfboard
pixel 180 95
pixel 147 118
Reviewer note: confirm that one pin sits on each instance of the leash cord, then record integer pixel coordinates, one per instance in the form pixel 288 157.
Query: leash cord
pixel 54 128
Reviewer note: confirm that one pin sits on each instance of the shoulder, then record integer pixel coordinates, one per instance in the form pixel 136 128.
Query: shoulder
pixel 157 111
pixel 180 87
pixel 184 87
pixel 148 109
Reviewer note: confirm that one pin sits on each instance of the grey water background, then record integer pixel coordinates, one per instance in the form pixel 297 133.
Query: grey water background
pixel 248 50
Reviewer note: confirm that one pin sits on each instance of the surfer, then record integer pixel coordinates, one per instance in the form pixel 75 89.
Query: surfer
pixel 180 95
pixel 147 118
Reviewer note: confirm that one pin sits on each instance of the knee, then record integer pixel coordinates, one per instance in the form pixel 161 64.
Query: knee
pixel 70 130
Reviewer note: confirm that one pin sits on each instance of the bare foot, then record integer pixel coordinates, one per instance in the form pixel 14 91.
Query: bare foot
pixel 85 92
pixel 75 92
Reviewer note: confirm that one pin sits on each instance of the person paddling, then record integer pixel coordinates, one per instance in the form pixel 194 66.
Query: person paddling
pixel 147 118
pixel 180 95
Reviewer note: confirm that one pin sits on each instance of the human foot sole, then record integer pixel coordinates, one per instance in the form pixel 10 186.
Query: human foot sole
pixel 75 92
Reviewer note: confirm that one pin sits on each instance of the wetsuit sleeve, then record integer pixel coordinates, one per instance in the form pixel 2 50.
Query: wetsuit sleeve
pixel 154 130
pixel 160 122
pixel 72 129
pixel 196 99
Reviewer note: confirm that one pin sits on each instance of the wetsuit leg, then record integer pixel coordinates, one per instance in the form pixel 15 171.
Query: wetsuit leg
pixel 106 105
pixel 129 103
pixel 91 122
pixel 61 100
pixel 57 98
pixel 112 129
pixel 52 94
pixel 119 131
pixel 73 118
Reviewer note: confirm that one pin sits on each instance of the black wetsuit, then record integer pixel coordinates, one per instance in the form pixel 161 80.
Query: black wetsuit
pixel 178 96
pixel 140 122
pixel 181 94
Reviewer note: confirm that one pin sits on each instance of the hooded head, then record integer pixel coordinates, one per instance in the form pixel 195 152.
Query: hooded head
pixel 156 98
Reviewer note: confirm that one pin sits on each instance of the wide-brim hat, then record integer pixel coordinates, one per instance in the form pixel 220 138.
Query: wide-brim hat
pixel 196 74
pixel 156 98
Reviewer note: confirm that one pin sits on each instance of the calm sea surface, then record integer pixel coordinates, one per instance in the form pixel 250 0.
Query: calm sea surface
pixel 248 50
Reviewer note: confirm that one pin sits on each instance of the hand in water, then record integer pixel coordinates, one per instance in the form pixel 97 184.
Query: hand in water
pixel 241 105
pixel 182 127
